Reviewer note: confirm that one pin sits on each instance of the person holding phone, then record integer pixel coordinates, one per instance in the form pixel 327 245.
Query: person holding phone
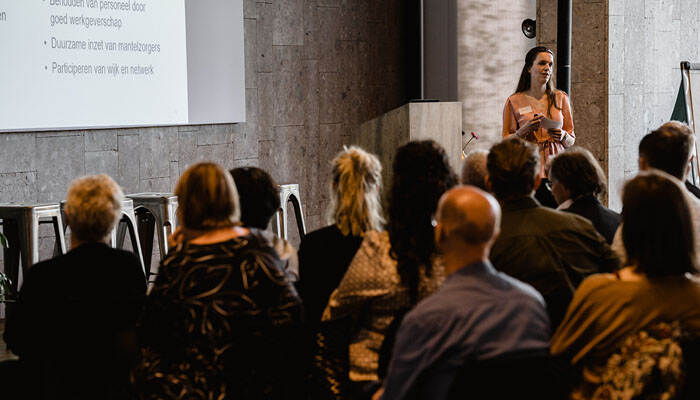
pixel 539 113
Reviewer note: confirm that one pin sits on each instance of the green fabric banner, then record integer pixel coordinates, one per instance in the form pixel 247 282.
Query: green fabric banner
pixel 680 111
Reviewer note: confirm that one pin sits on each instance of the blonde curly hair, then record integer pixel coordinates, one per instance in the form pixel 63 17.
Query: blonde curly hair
pixel 355 192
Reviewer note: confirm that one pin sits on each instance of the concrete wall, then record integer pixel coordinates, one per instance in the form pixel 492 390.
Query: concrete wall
pixel 648 40
pixel 491 51
pixel 589 68
pixel 315 69
pixel 625 72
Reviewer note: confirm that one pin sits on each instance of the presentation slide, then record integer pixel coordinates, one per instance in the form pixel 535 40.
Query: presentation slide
pixel 80 64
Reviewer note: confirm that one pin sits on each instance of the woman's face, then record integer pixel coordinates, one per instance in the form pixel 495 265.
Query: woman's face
pixel 541 69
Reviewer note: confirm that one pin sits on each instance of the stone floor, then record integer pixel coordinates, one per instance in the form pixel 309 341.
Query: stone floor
pixel 4 353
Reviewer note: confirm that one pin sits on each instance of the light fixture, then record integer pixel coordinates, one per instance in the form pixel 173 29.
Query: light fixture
pixel 529 28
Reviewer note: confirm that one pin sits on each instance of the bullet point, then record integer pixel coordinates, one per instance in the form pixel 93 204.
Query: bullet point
pixel 45 67
pixel 44 41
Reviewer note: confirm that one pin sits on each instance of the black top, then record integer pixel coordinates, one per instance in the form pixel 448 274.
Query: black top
pixel 324 256
pixel 222 321
pixel 604 219
pixel 693 189
pixel 551 250
pixel 73 316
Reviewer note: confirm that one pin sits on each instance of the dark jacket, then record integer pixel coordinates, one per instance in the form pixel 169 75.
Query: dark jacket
pixel 693 189
pixel 324 256
pixel 604 219
pixel 551 250
pixel 74 319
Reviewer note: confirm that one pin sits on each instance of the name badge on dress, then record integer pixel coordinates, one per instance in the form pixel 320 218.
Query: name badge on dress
pixel 525 110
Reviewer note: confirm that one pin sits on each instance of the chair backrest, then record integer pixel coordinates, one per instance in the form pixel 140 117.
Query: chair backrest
pixel 525 375
pixel 691 361
pixel 387 348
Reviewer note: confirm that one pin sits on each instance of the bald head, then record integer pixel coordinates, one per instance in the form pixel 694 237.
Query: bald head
pixel 469 214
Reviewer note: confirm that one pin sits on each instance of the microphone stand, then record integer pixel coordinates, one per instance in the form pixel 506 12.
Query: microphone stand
pixel 474 136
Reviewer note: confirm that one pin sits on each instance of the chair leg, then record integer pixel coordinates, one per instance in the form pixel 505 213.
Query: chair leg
pixel 283 228
pixel 299 216
pixel 146 224
pixel 28 244
pixel 162 231
pixel 135 242
pixel 277 223
pixel 59 234
pixel 11 253
pixel 122 227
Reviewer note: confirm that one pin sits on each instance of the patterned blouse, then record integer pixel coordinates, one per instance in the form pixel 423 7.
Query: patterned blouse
pixel 222 321
pixel 371 290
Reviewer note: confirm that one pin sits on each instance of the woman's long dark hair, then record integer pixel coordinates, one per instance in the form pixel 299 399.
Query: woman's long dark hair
pixel 524 81
pixel 421 175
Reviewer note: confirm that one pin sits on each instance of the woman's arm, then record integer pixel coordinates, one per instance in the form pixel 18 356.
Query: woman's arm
pixel 510 125
pixel 569 138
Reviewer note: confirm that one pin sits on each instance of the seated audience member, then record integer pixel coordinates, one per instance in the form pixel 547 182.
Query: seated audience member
pixel 477 314
pixel 474 169
pixel 577 181
pixel 685 129
pixel 396 268
pixel 655 287
pixel 260 200
pixel 551 250
pixel 74 324
pixel 355 208
pixel 222 320
pixel 667 149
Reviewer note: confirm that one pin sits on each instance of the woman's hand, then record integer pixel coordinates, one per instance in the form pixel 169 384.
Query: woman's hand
pixel 531 126
pixel 557 134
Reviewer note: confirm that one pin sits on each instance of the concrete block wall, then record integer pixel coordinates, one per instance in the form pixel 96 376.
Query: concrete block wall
pixel 625 73
pixel 589 68
pixel 491 51
pixel 648 40
pixel 315 69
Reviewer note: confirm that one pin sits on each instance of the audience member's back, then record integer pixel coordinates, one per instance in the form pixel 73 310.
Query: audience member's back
pixel 394 269
pixel 259 199
pixel 222 319
pixel 477 315
pixel 474 169
pixel 325 254
pixel 77 312
pixel 601 334
pixel 577 183
pixel 668 149
pixel 551 250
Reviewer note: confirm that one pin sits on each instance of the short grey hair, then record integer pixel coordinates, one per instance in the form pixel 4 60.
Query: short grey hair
pixel 474 169
pixel 93 207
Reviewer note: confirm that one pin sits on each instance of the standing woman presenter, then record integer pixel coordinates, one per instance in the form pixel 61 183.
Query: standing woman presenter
pixel 527 113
